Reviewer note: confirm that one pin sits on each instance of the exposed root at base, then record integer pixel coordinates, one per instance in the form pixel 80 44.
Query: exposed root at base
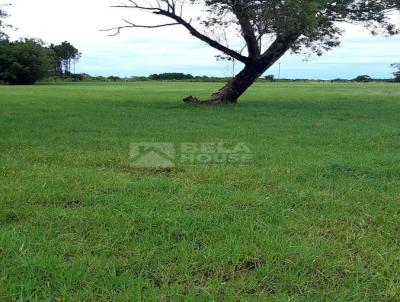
pixel 212 101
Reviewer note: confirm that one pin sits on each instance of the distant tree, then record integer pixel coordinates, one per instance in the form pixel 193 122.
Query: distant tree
pixel 65 55
pixel 114 78
pixel 3 25
pixel 397 72
pixel 24 61
pixel 363 79
pixel 269 28
pixel 270 78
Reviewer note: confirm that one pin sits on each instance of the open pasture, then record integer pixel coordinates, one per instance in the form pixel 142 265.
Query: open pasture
pixel 315 216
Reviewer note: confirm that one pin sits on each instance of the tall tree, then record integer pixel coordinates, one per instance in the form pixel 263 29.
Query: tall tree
pixel 65 55
pixel 269 29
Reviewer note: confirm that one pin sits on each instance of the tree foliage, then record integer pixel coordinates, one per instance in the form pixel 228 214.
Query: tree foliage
pixel 315 22
pixel 3 25
pixel 24 61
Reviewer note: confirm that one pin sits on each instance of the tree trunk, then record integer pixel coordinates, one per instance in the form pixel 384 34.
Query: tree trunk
pixel 230 93
pixel 254 68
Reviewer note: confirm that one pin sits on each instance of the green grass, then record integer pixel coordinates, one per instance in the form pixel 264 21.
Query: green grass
pixel 314 217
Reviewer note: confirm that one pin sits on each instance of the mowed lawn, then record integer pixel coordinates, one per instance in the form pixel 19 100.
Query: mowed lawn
pixel 314 217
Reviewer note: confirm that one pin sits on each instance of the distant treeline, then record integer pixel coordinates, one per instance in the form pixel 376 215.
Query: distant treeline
pixel 358 79
pixel 171 76
pixel 175 76
pixel 27 61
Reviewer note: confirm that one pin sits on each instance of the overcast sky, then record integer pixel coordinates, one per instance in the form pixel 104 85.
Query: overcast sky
pixel 144 51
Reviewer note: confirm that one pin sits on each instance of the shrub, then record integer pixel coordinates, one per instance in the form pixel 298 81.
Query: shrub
pixel 24 62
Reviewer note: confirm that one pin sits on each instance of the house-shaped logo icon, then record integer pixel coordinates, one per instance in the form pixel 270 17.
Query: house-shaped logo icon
pixel 152 155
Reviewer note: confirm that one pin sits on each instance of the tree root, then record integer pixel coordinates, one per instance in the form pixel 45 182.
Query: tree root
pixel 214 100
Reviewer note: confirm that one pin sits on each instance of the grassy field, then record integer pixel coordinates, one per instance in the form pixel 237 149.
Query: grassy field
pixel 314 217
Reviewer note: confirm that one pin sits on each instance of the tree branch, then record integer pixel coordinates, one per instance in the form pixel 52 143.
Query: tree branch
pixel 170 12
pixel 279 47
pixel 247 29
pixel 132 25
